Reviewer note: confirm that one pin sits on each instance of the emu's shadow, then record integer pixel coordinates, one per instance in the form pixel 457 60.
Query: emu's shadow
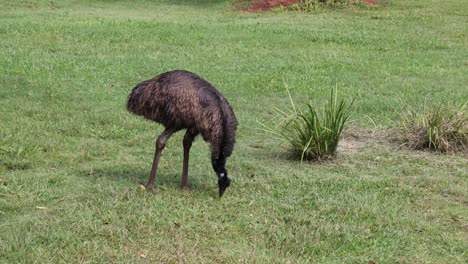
pixel 136 175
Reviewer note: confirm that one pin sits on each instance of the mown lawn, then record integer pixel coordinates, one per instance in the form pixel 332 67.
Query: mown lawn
pixel 72 158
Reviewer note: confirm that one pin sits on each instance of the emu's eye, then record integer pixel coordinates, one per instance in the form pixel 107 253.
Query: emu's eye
pixel 221 174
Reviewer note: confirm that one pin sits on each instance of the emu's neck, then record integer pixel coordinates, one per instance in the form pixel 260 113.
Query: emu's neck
pixel 219 165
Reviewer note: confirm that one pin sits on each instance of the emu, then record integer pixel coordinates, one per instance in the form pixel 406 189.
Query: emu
pixel 182 100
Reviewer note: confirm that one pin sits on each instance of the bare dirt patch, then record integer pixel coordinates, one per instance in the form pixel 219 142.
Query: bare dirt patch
pixel 370 2
pixel 357 138
pixel 265 5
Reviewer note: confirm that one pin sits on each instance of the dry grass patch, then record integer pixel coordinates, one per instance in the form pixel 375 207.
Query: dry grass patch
pixel 440 128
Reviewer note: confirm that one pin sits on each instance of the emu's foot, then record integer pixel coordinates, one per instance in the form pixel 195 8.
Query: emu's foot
pixel 150 188
pixel 185 187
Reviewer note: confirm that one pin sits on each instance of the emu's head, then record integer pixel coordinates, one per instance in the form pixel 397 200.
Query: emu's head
pixel 219 166
pixel 223 182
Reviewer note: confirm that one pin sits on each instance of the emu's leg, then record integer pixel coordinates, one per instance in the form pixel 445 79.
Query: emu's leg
pixel 188 139
pixel 160 144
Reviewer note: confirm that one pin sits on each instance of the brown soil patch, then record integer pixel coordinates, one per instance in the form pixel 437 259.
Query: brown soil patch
pixel 370 2
pixel 356 138
pixel 265 5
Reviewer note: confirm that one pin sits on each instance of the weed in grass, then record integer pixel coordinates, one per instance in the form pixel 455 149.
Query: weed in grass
pixel 439 128
pixel 13 155
pixel 313 134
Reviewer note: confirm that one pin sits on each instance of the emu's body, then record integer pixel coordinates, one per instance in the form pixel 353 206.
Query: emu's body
pixel 182 100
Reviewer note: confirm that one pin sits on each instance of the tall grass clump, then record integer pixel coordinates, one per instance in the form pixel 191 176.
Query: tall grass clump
pixel 440 128
pixel 313 134
pixel 313 5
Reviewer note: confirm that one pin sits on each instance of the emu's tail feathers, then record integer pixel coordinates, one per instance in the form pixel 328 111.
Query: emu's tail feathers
pixel 136 98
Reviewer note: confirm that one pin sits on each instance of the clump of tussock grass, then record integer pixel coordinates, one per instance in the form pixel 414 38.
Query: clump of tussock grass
pixel 313 133
pixel 312 5
pixel 439 128
pixel 309 5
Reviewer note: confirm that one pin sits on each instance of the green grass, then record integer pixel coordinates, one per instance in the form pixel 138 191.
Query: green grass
pixel 71 157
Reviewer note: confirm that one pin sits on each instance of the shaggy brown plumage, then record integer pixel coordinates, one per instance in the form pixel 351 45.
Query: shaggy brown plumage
pixel 182 100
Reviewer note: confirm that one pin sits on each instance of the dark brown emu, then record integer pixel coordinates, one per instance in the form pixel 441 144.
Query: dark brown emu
pixel 182 100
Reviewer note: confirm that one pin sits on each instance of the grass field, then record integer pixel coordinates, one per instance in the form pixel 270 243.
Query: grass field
pixel 71 157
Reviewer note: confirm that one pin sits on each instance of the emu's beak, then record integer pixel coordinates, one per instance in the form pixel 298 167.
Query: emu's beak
pixel 221 191
pixel 223 183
